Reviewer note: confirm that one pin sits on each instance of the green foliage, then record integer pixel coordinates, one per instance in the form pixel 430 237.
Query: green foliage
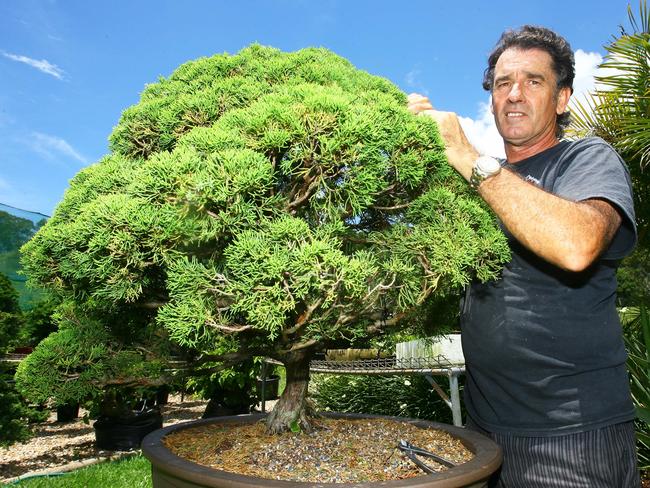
pixel 633 276
pixel 130 472
pixel 637 341
pixel 14 231
pixel 39 321
pixel 14 414
pixel 233 388
pixel 402 396
pixel 83 361
pixel 8 296
pixel 265 203
pixel 10 315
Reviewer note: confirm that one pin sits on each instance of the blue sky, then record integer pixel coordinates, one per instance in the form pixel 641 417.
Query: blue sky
pixel 69 68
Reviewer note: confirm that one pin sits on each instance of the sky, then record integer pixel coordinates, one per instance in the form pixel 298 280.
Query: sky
pixel 68 68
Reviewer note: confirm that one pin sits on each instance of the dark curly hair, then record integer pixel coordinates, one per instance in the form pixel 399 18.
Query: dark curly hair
pixel 534 37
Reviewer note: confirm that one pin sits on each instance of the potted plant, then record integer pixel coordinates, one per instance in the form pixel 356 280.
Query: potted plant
pixel 267 204
pixel 229 391
pixel 85 364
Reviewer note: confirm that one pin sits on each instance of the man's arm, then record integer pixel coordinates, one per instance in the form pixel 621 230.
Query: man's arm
pixel 568 234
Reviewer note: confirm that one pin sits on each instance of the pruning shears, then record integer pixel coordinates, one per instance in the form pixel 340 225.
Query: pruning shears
pixel 412 452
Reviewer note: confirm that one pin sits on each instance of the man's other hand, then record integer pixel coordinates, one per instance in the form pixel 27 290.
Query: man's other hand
pixel 460 153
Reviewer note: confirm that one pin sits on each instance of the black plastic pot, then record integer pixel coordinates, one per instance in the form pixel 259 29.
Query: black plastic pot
pixel 216 408
pixel 268 388
pixel 124 434
pixel 171 471
pixel 67 412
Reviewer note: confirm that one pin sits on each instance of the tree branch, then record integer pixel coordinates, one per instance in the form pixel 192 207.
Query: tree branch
pixel 303 318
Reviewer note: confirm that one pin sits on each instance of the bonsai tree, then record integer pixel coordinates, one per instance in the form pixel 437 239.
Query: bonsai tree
pixel 86 361
pixel 266 204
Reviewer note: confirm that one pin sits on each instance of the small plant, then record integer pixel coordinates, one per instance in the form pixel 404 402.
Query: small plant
pixel 83 363
pixel 230 390
pixel 637 339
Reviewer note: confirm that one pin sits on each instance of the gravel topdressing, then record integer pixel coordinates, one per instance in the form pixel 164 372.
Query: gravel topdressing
pixel 337 451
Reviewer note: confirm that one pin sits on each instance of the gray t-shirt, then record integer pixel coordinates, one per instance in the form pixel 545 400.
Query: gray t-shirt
pixel 543 346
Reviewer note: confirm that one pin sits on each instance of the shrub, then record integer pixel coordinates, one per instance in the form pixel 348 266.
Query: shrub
pixel 402 396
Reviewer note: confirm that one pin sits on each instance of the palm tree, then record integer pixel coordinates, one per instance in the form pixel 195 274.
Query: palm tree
pixel 619 109
pixel 619 112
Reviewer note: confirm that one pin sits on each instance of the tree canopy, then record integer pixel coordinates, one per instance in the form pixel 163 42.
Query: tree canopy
pixel 266 203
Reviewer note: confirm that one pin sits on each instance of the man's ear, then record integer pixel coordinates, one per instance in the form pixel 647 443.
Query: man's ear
pixel 562 100
pixel 491 106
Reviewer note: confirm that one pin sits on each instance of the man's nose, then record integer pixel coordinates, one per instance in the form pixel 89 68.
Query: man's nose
pixel 515 93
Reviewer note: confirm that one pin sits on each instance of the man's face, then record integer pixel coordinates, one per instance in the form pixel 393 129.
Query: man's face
pixel 525 99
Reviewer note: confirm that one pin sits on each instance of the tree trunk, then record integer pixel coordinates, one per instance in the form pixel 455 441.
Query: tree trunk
pixel 293 411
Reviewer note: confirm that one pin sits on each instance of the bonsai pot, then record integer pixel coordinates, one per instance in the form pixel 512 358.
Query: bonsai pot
pixel 67 412
pixel 126 433
pixel 172 471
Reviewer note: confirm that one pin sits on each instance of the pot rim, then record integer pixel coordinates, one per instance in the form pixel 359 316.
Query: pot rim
pixel 487 458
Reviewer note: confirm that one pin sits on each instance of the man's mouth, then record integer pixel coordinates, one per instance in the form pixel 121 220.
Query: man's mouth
pixel 514 114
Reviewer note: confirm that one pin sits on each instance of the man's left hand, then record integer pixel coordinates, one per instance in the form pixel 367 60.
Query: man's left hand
pixel 460 153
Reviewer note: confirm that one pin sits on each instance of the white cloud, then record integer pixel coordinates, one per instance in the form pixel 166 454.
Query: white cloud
pixel 51 147
pixel 4 185
pixel 42 65
pixel 482 132
pixel 586 70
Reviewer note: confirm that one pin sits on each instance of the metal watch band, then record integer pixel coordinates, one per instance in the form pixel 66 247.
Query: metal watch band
pixel 480 172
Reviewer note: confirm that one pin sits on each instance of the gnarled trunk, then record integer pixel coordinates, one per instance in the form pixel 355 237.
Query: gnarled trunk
pixel 293 411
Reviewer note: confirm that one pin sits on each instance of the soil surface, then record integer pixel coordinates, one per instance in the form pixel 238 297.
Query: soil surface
pixel 337 451
pixel 64 446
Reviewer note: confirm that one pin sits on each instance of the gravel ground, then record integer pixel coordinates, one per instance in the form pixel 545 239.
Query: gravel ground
pixel 64 446
pixel 58 447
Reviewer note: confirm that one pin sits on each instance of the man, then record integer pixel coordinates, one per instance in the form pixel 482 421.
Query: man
pixel 546 375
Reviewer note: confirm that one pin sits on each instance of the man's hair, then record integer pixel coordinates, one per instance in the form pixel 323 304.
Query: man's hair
pixel 533 37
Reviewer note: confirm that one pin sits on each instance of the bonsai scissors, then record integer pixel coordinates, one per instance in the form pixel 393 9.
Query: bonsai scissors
pixel 412 452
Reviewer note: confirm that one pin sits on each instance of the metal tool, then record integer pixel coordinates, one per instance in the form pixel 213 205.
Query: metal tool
pixel 412 452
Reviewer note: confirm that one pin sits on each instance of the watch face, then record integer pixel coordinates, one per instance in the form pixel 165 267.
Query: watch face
pixel 488 165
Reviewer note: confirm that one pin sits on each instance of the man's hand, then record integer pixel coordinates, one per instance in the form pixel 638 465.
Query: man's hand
pixel 460 153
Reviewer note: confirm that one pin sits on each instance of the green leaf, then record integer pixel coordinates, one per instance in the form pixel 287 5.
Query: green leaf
pixel 643 413
pixel 295 427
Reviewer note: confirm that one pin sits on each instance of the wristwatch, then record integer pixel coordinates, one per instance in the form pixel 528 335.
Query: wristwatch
pixel 485 167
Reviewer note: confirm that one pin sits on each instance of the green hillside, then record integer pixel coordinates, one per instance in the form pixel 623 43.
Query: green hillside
pixel 14 232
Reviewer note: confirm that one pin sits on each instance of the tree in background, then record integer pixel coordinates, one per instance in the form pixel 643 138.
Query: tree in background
pixel 260 204
pixel 14 415
pixel 10 314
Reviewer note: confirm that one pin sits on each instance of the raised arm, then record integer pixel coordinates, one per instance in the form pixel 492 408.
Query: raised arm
pixel 570 235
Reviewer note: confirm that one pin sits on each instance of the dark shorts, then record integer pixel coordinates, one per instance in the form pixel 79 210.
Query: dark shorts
pixel 597 458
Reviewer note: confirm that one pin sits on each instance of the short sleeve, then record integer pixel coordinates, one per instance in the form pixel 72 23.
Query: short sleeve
pixel 593 169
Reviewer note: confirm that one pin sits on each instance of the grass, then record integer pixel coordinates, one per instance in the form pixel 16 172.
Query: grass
pixel 130 472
